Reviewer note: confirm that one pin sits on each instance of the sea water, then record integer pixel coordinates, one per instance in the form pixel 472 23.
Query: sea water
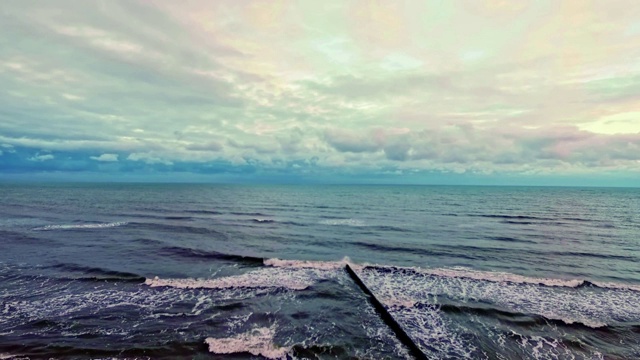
pixel 257 271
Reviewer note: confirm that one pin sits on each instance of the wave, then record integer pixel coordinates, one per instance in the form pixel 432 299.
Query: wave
pixel 512 217
pixel 262 278
pixel 22 238
pixel 460 272
pixel 522 319
pixel 204 212
pixel 80 226
pixel 519 222
pixel 416 251
pixel 240 213
pixel 99 274
pixel 182 229
pixel 178 218
pixel 41 349
pixel 204 254
pixel 510 239
pixel 257 342
pixel 390 228
pixel 263 221
pixel 572 301
pixel 6 356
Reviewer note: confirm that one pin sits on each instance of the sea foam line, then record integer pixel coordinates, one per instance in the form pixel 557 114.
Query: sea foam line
pixel 80 226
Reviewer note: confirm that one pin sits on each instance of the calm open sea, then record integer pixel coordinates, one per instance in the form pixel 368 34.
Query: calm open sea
pixel 235 272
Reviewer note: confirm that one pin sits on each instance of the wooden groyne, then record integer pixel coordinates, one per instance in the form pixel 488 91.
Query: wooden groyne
pixel 386 317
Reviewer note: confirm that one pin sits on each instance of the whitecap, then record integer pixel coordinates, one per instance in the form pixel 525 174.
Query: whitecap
pixel 80 226
pixel 307 264
pixel 258 342
pixel 343 222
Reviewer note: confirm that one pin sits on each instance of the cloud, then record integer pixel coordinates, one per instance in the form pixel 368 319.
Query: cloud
pixel 105 158
pixel 149 158
pixel 349 141
pixel 44 157
pixel 223 88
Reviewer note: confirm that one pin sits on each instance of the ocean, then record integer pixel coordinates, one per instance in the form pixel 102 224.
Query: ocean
pixel 200 271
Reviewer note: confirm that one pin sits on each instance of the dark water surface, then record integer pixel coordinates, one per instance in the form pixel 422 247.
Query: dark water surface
pixel 234 272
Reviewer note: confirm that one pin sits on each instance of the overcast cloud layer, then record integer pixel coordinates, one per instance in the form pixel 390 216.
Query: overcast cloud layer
pixel 313 90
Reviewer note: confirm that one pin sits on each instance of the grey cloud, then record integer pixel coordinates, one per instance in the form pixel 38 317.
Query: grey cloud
pixel 512 148
pixel 208 146
pixel 347 141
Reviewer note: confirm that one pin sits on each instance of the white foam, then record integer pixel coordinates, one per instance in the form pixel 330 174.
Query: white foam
pixel 258 342
pixel 4 356
pixel 435 335
pixel 499 277
pixel 343 222
pixel 494 276
pixel 305 264
pixel 269 278
pixel 618 286
pixel 591 307
pixel 57 300
pixel 80 226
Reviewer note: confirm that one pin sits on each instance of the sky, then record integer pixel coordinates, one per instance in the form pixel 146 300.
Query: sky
pixel 448 92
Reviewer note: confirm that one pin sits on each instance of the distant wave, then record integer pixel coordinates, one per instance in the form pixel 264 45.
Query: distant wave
pixel 263 221
pixel 80 226
pixel 510 239
pixel 204 212
pixel 206 254
pixel 240 213
pixel 342 222
pixel 417 251
pixel 530 220
pixel 183 228
pixel 513 217
pixel 86 273
pixel 178 218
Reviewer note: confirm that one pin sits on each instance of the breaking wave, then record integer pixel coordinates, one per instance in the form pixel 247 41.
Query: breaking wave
pixel 460 272
pixel 261 278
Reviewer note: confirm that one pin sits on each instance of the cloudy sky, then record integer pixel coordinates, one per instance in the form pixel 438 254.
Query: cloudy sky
pixel 325 91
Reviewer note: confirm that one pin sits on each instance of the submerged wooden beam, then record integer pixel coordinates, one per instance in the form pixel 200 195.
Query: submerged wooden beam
pixel 386 317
